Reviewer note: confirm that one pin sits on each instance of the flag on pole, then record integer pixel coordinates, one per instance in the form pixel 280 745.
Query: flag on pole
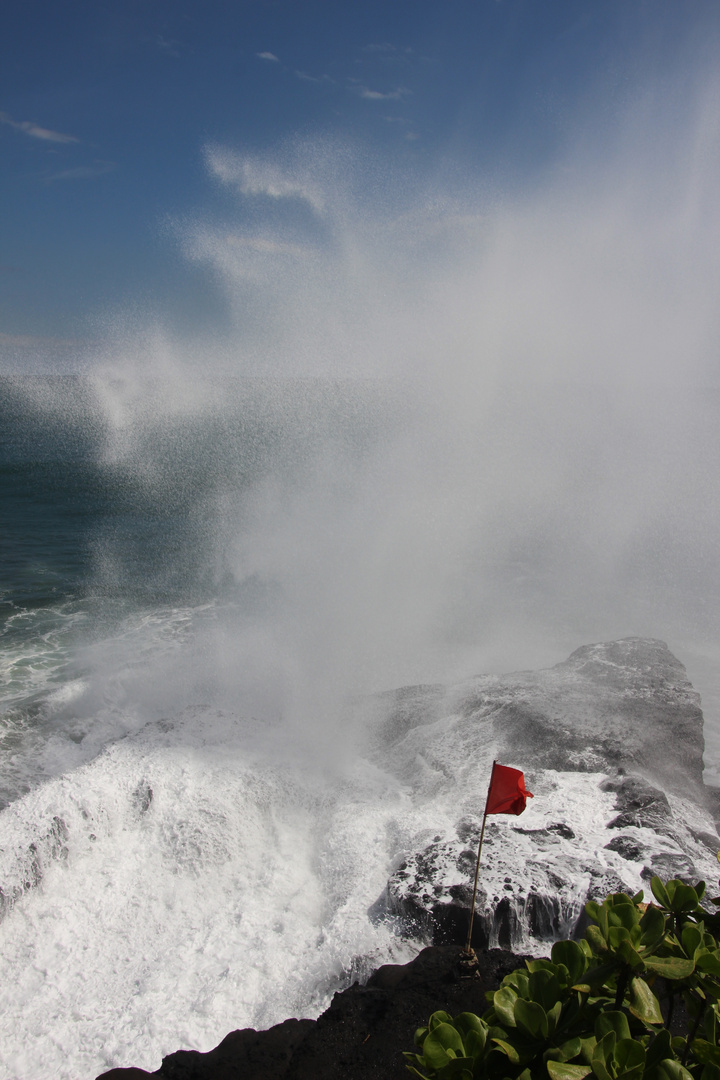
pixel 507 793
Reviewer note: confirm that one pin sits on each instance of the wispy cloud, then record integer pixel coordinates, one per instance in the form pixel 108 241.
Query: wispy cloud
pixel 314 78
pixel 259 176
pixel 37 132
pixel 379 47
pixel 268 56
pixel 83 172
pixel 377 95
pixel 168 45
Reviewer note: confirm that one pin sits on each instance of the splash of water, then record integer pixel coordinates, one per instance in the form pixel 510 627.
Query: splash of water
pixel 448 432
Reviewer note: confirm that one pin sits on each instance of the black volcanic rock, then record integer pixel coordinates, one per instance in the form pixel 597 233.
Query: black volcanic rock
pixel 360 1037
pixel 363 1033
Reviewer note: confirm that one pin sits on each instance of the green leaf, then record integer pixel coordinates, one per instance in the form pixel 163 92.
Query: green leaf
pixel 709 962
pixel 660 893
pixel 652 926
pixel 710 1025
pixel 475 1043
pixel 570 1049
pixel 615 898
pixel 710 986
pixel 682 897
pixel 706 1052
pixel 596 939
pixel 629 1054
pixel 599 976
pixel 628 954
pixel 442 1044
pixel 673 1070
pixel 710 1072
pixel 602 1053
pixel 412 1069
pixel 624 913
pixel 658 1049
pixel 553 1016
pixel 560 1070
pixel 504 1005
pixel 466 1022
pixel 439 1017
pixel 519 980
pixel 612 1021
pixel 508 1049
pixel 643 1002
pixel 670 967
pixel 617 934
pixel 691 938
pixel 540 964
pixel 588 1048
pixel 597 912
pixel 572 956
pixel 532 1018
pixel 459 1069
pixel 544 988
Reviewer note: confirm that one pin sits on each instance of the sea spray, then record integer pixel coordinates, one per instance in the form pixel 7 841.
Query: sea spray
pixel 452 430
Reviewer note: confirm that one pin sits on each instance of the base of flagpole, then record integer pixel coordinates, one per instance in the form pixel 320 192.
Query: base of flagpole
pixel 468 965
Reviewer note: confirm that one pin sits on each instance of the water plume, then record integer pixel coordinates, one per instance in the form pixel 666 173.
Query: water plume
pixel 453 427
pixel 449 427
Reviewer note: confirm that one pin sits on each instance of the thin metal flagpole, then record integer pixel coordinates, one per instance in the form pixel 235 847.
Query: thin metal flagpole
pixel 468 947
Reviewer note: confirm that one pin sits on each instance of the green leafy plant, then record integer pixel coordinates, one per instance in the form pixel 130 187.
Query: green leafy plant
pixel 591 1009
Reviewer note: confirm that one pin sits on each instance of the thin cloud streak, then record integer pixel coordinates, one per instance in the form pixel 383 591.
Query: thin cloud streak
pixel 314 78
pixel 37 132
pixel 268 56
pixel 83 172
pixel 376 95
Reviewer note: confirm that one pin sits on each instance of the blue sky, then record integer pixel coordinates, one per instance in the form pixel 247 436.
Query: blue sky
pixel 107 111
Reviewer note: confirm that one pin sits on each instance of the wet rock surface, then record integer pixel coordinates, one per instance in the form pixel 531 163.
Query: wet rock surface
pixel 613 807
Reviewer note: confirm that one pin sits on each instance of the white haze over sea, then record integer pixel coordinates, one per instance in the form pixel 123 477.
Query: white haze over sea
pixel 456 427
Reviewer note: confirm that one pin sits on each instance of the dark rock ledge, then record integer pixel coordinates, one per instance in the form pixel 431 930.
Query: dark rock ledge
pixel 364 1032
pixel 360 1037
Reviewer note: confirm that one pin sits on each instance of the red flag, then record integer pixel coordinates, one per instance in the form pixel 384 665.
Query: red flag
pixel 507 794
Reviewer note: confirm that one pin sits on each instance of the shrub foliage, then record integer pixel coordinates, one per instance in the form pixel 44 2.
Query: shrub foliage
pixel 592 1008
